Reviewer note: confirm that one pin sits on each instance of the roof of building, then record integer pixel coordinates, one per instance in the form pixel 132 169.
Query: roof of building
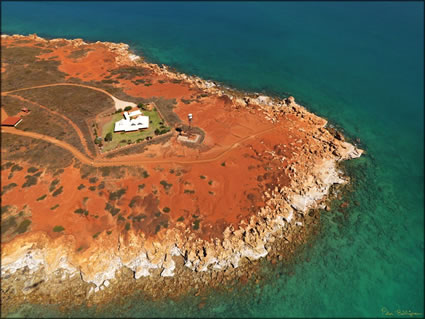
pixel 11 121
pixel 135 113
pixel 132 125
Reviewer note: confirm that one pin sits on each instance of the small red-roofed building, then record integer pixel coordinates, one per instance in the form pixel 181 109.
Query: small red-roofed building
pixel 11 121
pixel 25 110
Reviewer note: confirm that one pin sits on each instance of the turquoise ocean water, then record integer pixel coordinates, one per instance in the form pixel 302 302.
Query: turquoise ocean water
pixel 359 64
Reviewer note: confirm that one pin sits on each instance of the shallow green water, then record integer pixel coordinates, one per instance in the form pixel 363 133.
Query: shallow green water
pixel 358 64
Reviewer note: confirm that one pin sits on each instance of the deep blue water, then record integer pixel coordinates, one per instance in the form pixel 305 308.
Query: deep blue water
pixel 359 64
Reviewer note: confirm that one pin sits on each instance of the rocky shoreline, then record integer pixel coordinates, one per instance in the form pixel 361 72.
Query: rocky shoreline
pixel 34 263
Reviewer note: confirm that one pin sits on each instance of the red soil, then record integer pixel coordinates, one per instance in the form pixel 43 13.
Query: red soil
pixel 235 164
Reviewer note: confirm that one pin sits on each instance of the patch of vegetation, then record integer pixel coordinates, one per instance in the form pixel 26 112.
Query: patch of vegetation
pixel 92 188
pixel 30 181
pixel 121 218
pixel 138 218
pixel 58 229
pixel 210 182
pixel 81 187
pixel 53 185
pixel 211 193
pixel 127 226
pixel 7 224
pixel 165 185
pixel 42 121
pixel 141 186
pixel 180 219
pixel 130 72
pixel 76 103
pixel 101 186
pixel 24 69
pixel 32 169
pixel 186 101
pixel 8 188
pixel 6 165
pixel 145 174
pixel 108 232
pixel 78 53
pixel 23 226
pixel 58 191
pixel 96 235
pixel 157 214
pixel 35 152
pixel 111 209
pixel 189 191
pixel 5 209
pixel 166 209
pixel 16 167
pixel 81 211
pixel 54 207
pixel 202 177
pixel 195 224
pixel 223 164
pixel 93 180
pixel 42 197
pixel 58 172
pixel 157 228
pixel 117 195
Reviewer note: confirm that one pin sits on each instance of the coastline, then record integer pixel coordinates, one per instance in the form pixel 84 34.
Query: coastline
pixel 283 215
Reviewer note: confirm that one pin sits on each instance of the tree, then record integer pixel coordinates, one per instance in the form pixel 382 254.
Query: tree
pixel 127 108
pixel 108 137
pixel 141 106
pixel 118 111
pixel 157 132
pixel 98 140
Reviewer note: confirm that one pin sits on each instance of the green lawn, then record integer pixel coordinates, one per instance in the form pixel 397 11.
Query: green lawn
pixel 154 120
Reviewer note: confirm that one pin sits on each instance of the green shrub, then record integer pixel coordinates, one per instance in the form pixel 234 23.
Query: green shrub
pixel 53 185
pixel 196 224
pixel 166 185
pixel 81 187
pixel 117 195
pixel 8 187
pixel 23 226
pixel 202 177
pixel 166 209
pixel 93 180
pixel 127 226
pixel 32 170
pixel 180 219
pixel 42 197
pixel 127 108
pixel 54 207
pixel 31 180
pixel 96 235
pixel 58 229
pixel 81 211
pixel 58 191
pixel 108 137
pixel 210 182
pixel 92 188
pixel 16 167
pixel 189 191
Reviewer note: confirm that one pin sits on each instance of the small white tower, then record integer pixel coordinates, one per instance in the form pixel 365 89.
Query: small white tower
pixel 189 116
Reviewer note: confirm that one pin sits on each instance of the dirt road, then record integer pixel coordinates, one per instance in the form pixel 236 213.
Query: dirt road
pixel 119 104
pixel 129 162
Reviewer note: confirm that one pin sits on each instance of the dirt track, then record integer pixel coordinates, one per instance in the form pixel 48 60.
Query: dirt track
pixel 119 104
